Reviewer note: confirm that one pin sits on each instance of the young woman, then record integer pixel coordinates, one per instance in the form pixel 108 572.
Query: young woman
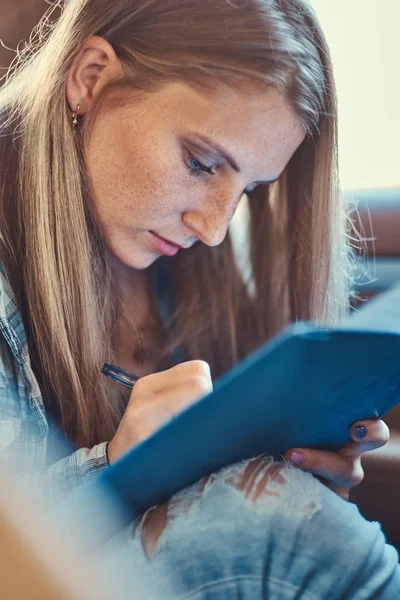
pixel 131 131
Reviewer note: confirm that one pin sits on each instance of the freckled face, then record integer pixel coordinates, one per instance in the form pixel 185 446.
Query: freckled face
pixel 154 177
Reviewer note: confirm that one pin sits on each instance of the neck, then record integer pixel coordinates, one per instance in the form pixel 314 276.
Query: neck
pixel 132 286
pixel 137 330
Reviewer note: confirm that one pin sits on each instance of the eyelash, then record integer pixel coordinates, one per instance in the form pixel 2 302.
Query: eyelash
pixel 202 168
pixel 196 172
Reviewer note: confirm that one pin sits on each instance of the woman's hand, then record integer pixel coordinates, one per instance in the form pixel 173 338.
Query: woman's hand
pixel 342 470
pixel 155 399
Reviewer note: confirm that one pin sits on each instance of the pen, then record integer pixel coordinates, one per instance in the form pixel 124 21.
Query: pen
pixel 119 375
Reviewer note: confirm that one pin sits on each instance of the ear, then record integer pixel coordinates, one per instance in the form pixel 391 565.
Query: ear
pixel 93 67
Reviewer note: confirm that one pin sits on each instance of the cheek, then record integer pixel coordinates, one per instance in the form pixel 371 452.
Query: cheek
pixel 136 179
pixel 131 181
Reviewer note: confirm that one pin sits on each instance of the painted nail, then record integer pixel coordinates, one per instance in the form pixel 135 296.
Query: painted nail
pixel 296 457
pixel 361 432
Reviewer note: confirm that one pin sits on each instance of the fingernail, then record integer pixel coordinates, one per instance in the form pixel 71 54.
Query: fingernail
pixel 361 431
pixel 296 458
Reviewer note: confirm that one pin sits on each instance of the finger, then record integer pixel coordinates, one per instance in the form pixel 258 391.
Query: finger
pixel 342 471
pixel 368 435
pixel 158 409
pixel 169 379
pixel 353 449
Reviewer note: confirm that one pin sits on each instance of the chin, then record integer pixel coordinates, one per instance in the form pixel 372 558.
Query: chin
pixel 134 258
pixel 140 264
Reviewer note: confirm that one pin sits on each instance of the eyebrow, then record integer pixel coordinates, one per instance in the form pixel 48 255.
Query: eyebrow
pixel 225 154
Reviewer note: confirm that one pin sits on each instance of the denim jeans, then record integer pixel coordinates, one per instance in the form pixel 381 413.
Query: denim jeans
pixel 281 535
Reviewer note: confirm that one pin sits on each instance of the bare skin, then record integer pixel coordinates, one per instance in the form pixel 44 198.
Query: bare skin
pixel 150 173
pixel 140 154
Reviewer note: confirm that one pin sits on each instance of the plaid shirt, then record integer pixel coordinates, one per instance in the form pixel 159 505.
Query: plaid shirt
pixel 24 427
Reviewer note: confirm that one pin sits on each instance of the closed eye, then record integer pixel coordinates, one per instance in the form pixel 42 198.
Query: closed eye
pixel 196 167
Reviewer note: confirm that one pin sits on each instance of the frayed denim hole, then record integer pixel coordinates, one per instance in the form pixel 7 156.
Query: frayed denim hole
pixel 182 505
pixel 185 504
pixel 138 524
pixel 268 486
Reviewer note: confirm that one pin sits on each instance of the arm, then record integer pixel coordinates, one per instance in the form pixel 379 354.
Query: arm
pixel 52 469
pixel 62 477
pixel 25 453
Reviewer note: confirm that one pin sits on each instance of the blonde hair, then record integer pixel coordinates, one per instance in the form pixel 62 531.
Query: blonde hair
pixel 49 239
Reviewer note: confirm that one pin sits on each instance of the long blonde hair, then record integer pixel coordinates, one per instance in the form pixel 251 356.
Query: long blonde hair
pixel 49 240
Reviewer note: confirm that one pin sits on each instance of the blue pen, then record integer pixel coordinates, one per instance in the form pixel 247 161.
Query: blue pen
pixel 118 374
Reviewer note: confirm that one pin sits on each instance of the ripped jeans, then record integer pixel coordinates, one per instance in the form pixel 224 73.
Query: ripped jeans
pixel 260 530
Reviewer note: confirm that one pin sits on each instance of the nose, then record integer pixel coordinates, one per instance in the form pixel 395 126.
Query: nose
pixel 210 224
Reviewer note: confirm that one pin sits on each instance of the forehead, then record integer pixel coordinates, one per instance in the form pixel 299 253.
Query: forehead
pixel 259 128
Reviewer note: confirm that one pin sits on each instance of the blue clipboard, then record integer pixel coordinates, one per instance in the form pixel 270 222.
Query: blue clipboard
pixel 305 388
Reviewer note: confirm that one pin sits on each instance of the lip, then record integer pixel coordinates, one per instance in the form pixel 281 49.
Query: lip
pixel 164 246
